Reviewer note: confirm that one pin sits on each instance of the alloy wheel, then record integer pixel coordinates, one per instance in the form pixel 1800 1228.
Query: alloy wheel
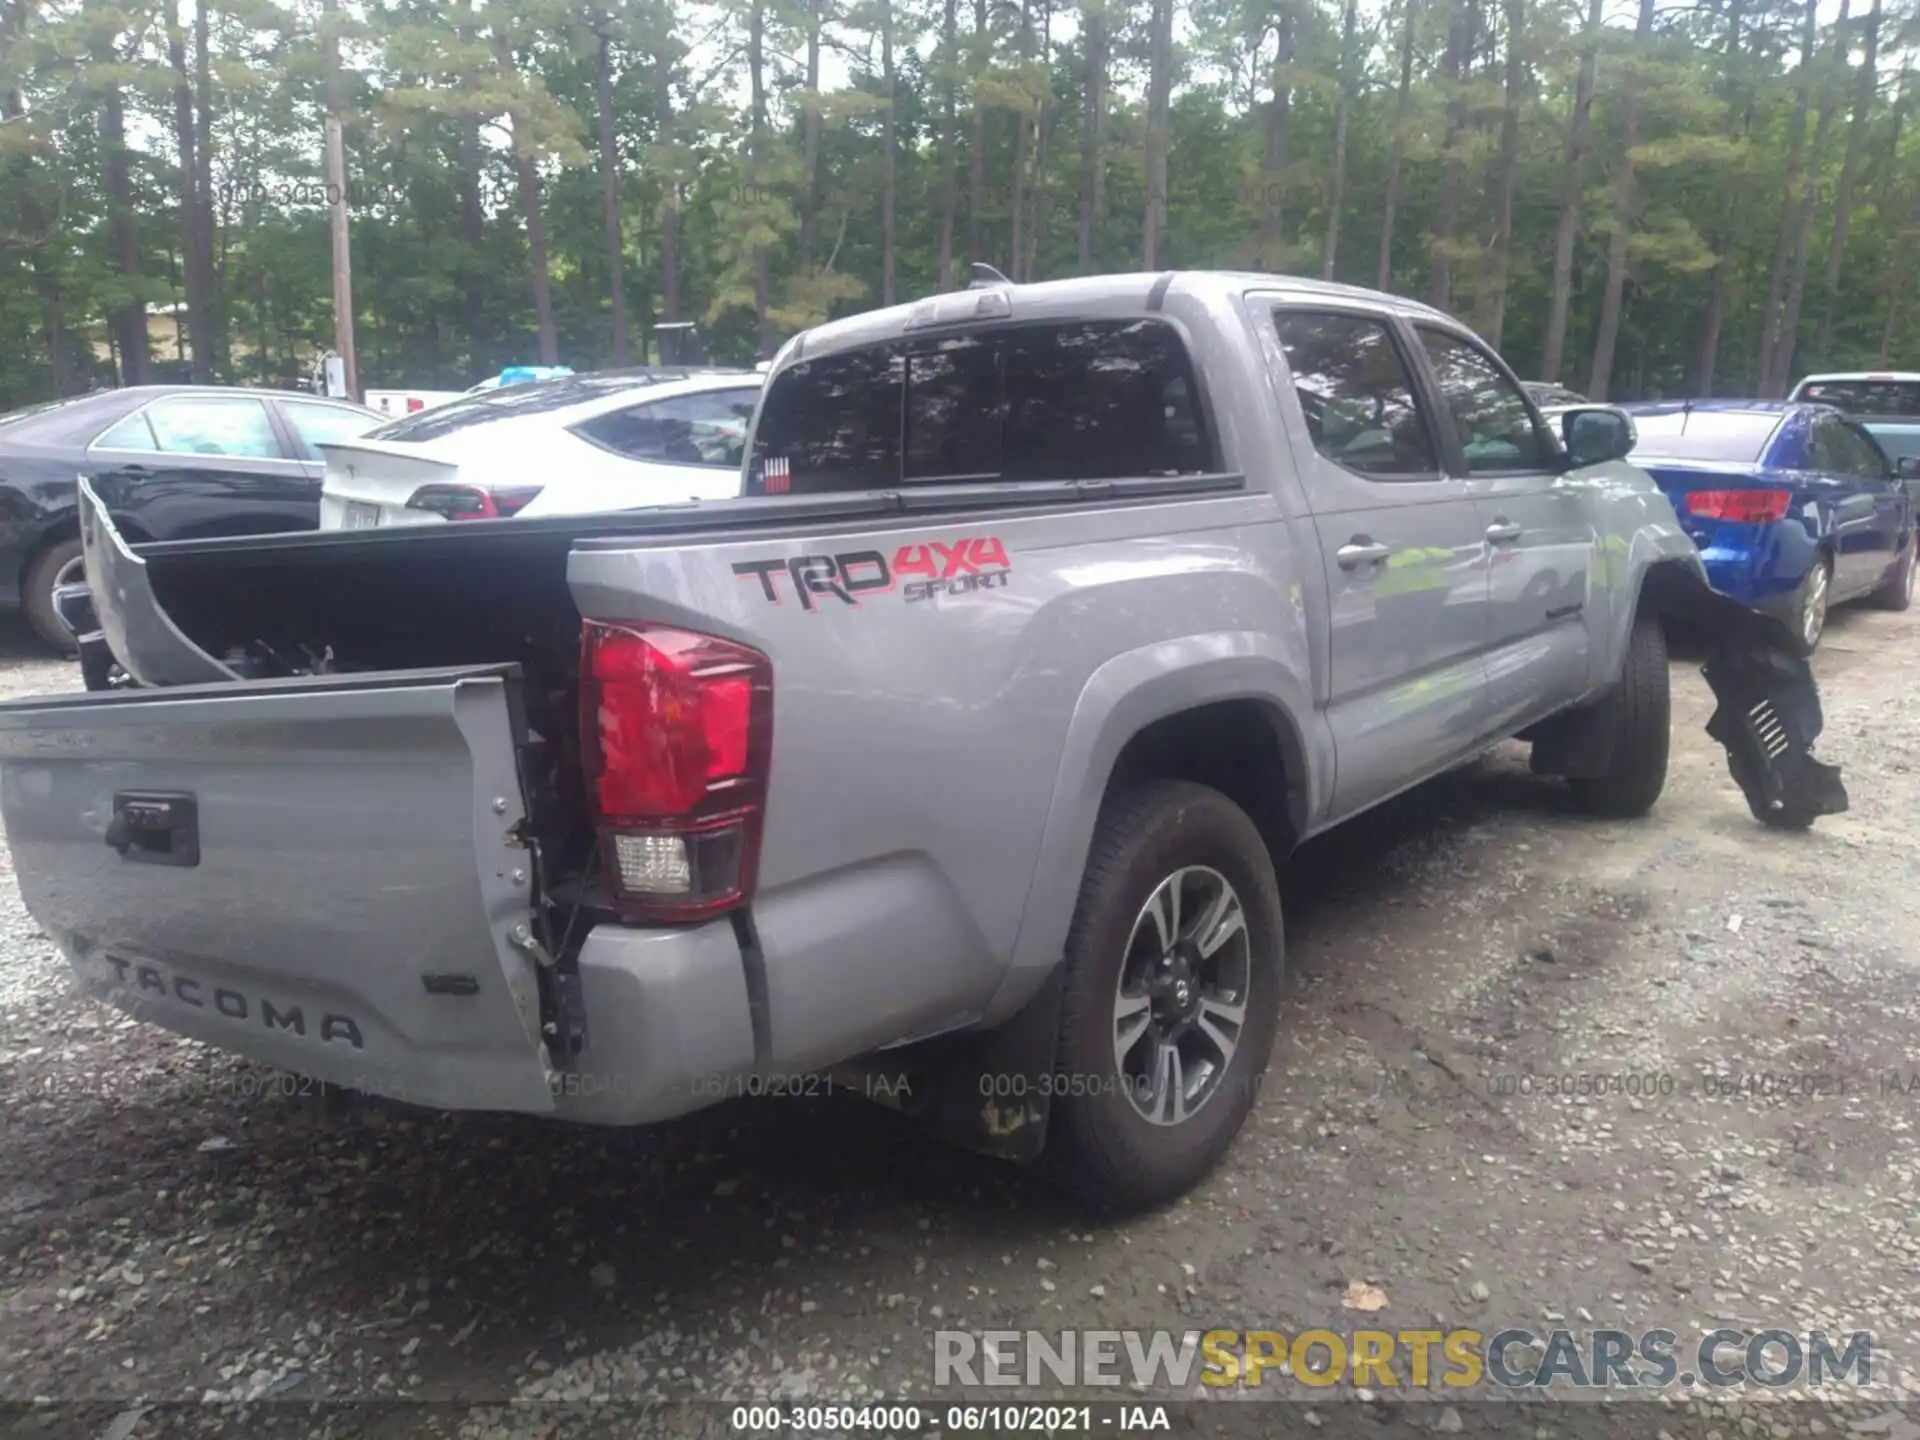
pixel 1180 1004
pixel 1813 608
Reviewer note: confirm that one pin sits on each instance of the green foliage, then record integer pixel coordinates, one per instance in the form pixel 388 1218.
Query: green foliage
pixel 439 96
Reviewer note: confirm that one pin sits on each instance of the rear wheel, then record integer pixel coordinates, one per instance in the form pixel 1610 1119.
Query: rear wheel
pixel 1810 605
pixel 1896 591
pixel 1637 771
pixel 1172 992
pixel 59 564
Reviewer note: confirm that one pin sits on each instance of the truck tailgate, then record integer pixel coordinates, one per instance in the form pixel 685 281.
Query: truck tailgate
pixel 321 873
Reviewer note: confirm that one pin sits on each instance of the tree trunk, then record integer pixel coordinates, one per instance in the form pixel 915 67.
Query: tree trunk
pixel 1572 187
pixel 810 138
pixel 1896 284
pixel 473 230
pixel 200 259
pixel 1608 334
pixel 1707 358
pixel 1789 335
pixel 949 189
pixel 757 157
pixel 610 191
pixel 1336 190
pixel 1093 198
pixel 887 157
pixel 1159 94
pixel 1042 132
pixel 1707 354
pixel 1273 165
pixel 1397 153
pixel 1516 88
pixel 1857 128
pixel 977 146
pixel 36 227
pixel 665 125
pixel 1789 217
pixel 128 320
pixel 1022 123
pixel 199 330
pixel 1457 66
pixel 528 176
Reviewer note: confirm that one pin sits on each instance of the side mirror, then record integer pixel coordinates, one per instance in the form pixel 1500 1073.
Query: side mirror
pixel 1907 467
pixel 1596 434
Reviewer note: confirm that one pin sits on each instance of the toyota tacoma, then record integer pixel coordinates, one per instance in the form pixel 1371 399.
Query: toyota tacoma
pixel 958 754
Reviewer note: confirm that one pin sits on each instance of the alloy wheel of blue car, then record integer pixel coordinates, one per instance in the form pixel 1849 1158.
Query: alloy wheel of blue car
pixel 1816 589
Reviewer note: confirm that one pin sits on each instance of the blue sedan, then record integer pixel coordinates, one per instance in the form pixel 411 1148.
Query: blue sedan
pixel 1794 507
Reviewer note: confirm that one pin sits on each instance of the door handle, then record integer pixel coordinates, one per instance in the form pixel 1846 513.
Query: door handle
pixel 1361 551
pixel 1502 531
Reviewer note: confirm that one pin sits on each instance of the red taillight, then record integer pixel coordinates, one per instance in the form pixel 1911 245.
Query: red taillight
pixel 471 502
pixel 676 730
pixel 414 402
pixel 1751 507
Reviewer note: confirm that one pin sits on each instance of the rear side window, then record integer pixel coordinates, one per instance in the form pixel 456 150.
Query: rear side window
pixel 315 425
pixel 1356 394
pixel 1081 401
pixel 705 429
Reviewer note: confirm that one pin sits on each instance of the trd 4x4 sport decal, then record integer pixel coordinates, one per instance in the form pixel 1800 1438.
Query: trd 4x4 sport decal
pixel 921 572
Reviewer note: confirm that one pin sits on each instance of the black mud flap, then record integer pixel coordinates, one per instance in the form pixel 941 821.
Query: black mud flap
pixel 1769 707
pixel 984 1090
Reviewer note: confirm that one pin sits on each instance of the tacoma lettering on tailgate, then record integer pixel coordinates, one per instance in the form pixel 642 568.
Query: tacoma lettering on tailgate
pixel 919 571
pixel 142 978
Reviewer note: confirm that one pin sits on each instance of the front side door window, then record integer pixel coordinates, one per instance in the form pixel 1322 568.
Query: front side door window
pixel 1491 417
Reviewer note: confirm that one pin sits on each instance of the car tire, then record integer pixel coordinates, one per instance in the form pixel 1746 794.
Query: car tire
pixel 1811 603
pixel 1636 773
pixel 36 597
pixel 1164 851
pixel 1896 591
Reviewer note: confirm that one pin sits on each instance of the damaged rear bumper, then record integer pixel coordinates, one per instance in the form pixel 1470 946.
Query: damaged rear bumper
pixel 1768 713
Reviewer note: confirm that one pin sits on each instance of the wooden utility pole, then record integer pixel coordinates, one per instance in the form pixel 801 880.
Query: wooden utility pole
pixel 337 204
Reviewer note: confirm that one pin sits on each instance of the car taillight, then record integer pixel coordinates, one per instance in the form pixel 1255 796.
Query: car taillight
pixel 676 730
pixel 1752 507
pixel 414 402
pixel 472 502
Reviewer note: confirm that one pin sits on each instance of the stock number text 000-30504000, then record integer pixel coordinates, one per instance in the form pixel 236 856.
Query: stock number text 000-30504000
pixel 906 1420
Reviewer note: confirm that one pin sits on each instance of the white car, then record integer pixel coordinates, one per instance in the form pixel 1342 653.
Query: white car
pixel 573 446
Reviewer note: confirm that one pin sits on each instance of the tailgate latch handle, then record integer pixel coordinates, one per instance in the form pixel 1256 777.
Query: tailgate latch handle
pixel 152 828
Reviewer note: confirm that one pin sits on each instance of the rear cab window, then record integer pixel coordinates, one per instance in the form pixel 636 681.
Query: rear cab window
pixel 1076 400
pixel 1866 399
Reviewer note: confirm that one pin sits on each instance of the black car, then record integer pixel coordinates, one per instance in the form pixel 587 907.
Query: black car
pixel 171 461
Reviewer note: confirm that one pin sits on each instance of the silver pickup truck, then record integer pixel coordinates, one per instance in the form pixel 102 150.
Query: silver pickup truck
pixel 956 759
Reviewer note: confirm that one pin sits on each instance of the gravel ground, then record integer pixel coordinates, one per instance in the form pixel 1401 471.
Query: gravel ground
pixel 175 1225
